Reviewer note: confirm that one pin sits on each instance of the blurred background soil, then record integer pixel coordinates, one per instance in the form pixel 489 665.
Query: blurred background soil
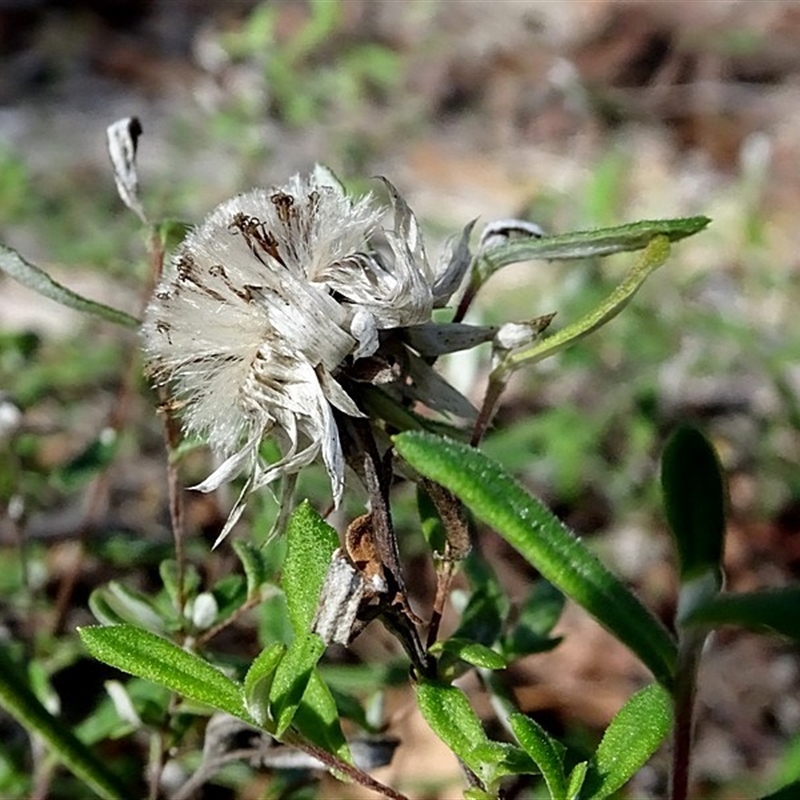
pixel 579 114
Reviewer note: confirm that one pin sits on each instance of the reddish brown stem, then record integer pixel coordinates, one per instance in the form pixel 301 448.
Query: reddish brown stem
pixel 685 691
pixel 334 763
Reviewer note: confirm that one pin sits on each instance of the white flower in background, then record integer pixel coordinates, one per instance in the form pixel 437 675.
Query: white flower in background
pixel 267 301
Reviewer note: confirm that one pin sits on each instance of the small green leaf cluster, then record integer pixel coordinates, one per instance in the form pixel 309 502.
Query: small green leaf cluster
pixel 695 500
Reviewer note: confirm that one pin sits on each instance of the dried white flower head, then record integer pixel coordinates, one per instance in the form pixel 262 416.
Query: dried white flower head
pixel 262 306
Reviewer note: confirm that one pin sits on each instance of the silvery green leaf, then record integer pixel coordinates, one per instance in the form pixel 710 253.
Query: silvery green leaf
pixel 123 136
pixel 406 226
pixel 502 231
pixel 653 256
pixel 13 264
pixel 116 602
pixel 586 244
pixel 453 265
pixel 436 339
pixel 431 389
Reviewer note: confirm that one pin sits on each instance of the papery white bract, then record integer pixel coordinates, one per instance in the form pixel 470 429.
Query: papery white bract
pixel 262 305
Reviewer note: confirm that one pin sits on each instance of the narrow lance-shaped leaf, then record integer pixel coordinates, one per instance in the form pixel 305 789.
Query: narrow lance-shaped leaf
pixel 587 244
pixel 317 718
pixel 310 546
pixel 630 739
pixel 291 679
pixel 13 264
pixel 769 611
pixel 448 711
pixel 474 653
pixel 654 255
pixel 311 543
pixel 694 501
pixel 141 653
pixel 544 751
pixel 20 702
pixel 525 523
pixel 576 779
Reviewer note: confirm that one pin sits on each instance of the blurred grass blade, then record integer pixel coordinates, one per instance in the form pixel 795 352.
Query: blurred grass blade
pixel 654 255
pixel 141 653
pixel 767 611
pixel 586 244
pixel 13 264
pixel 528 526
pixel 544 751
pixel 630 739
pixel 694 500
pixel 19 701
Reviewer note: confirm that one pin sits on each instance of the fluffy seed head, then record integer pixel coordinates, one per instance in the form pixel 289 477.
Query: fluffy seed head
pixel 261 306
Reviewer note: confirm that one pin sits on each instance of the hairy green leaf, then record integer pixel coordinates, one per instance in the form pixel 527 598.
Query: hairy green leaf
pixel 291 679
pixel 545 752
pixel 115 602
pixel 576 780
pixel 311 543
pixel 479 655
pixel 497 499
pixel 448 711
pixel 630 739
pixel 141 653
pixel 317 718
pixel 252 559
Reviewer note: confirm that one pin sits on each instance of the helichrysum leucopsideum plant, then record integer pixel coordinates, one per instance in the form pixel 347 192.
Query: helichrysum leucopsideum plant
pixel 303 315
